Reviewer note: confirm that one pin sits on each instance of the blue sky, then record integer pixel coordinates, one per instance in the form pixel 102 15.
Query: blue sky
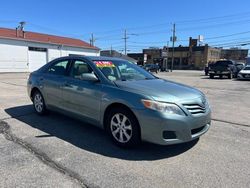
pixel 221 22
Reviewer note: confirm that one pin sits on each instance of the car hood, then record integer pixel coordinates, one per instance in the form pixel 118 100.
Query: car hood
pixel 161 90
pixel 245 71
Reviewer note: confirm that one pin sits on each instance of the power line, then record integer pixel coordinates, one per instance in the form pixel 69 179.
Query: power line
pixel 178 22
pixel 229 43
pixel 216 25
pixel 228 40
pixel 213 18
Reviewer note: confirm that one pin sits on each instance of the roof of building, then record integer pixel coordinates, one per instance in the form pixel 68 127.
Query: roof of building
pixel 43 38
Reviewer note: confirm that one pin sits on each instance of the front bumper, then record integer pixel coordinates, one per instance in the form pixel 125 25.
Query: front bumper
pixel 243 76
pixel 155 127
pixel 220 72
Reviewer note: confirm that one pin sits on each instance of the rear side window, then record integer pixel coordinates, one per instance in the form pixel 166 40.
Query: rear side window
pixel 59 68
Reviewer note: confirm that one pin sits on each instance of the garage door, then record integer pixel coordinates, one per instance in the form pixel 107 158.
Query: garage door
pixel 36 60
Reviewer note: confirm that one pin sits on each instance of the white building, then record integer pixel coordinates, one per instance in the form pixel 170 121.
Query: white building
pixel 22 51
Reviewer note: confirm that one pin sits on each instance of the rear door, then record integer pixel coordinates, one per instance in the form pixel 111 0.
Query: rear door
pixel 53 80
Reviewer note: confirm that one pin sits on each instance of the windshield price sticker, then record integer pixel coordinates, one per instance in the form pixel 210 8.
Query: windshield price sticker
pixel 104 64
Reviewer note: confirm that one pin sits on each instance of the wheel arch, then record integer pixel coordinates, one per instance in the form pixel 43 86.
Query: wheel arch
pixel 118 105
pixel 33 90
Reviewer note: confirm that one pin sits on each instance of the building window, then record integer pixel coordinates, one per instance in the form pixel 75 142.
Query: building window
pixel 37 49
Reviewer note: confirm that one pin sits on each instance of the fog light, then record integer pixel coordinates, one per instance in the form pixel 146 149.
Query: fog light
pixel 169 135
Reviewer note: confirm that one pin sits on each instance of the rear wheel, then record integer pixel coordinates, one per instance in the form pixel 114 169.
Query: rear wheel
pixel 123 127
pixel 221 76
pixel 38 103
pixel 211 76
pixel 230 76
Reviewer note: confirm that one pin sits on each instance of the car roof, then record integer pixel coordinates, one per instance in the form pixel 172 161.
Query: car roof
pixel 98 58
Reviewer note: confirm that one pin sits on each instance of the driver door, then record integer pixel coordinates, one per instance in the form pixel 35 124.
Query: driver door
pixel 80 96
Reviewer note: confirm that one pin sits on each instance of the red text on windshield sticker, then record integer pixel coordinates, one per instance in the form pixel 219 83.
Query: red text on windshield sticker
pixel 104 64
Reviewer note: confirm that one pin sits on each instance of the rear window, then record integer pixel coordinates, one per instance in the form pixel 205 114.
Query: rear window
pixel 224 63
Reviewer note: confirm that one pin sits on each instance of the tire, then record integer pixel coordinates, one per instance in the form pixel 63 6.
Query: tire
pixel 38 103
pixel 229 76
pixel 221 76
pixel 123 132
pixel 211 76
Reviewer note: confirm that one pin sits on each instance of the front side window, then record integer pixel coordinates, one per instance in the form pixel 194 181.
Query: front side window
pixel 118 70
pixel 79 69
pixel 59 68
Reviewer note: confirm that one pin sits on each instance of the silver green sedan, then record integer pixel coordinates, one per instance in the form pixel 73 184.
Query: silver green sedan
pixel 131 104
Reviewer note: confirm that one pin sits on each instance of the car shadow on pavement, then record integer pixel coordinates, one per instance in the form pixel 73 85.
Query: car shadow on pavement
pixel 91 138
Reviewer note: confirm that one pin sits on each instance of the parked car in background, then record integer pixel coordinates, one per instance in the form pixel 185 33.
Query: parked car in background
pixel 239 66
pixel 244 73
pixel 122 98
pixel 151 68
pixel 223 68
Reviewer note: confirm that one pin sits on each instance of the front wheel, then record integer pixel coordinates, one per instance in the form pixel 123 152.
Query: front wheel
pixel 123 127
pixel 38 103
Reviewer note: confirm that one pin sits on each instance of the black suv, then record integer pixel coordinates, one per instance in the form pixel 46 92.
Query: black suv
pixel 152 68
pixel 223 68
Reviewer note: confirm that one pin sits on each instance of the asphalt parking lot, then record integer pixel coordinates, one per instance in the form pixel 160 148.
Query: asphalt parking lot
pixel 57 151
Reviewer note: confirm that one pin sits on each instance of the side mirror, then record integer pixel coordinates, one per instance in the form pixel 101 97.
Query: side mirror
pixel 89 77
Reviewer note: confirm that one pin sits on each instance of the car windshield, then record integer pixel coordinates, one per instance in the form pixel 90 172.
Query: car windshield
pixel 247 68
pixel 119 70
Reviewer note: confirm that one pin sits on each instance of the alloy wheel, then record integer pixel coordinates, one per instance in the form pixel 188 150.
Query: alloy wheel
pixel 121 128
pixel 38 103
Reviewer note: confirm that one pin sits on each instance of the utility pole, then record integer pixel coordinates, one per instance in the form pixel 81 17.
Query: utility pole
pixel 125 41
pixel 167 56
pixel 173 41
pixel 92 40
pixel 126 38
pixel 111 51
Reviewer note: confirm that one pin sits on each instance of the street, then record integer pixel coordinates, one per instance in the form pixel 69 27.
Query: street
pixel 57 151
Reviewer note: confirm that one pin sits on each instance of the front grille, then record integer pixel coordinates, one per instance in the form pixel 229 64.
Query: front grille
pixel 195 108
pixel 246 75
pixel 197 130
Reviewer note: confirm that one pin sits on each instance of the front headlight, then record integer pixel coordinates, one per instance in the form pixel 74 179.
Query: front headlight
pixel 163 107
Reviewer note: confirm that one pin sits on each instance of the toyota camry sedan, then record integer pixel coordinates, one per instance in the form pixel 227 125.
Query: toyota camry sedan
pixel 131 104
